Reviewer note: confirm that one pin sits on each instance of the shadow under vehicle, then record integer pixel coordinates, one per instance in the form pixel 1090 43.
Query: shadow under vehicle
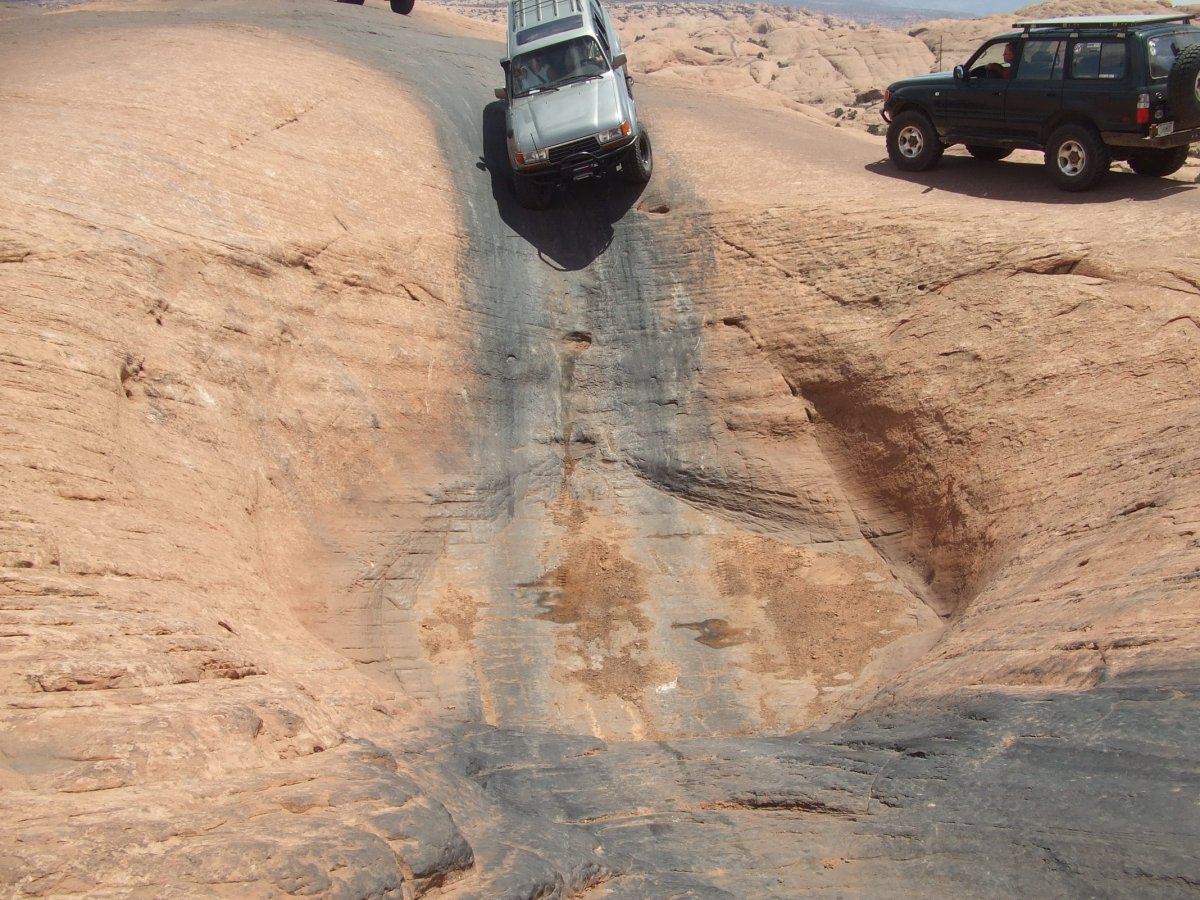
pixel 1022 179
pixel 1085 90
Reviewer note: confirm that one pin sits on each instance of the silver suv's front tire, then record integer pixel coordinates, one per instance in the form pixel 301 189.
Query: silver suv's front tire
pixel 638 163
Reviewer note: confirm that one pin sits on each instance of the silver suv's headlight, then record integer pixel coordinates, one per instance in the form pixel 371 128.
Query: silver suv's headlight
pixel 532 156
pixel 614 134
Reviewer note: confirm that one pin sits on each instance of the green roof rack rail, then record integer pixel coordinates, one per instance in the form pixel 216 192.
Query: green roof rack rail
pixel 1085 23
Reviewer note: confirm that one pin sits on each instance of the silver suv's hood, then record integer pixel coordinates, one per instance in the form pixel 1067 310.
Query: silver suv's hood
pixel 572 112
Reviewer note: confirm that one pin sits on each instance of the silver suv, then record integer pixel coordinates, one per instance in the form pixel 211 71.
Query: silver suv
pixel 569 109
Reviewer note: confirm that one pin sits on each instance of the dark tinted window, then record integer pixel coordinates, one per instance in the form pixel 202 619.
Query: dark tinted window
pixel 1098 60
pixel 1041 61
pixel 1163 49
pixel 599 23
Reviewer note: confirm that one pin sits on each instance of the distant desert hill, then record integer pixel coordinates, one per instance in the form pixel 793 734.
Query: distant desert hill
pixel 956 38
pixel 896 13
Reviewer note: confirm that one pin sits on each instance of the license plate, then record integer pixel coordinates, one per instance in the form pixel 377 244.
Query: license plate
pixel 581 172
pixel 1165 128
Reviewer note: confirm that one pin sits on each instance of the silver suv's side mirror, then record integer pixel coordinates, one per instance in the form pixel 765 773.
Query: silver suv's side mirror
pixel 619 60
pixel 959 72
pixel 501 94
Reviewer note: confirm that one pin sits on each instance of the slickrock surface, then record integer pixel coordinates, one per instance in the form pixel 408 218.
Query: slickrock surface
pixel 792 526
pixel 202 358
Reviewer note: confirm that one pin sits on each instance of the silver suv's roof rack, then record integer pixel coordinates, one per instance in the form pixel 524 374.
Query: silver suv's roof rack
pixel 529 12
pixel 1083 23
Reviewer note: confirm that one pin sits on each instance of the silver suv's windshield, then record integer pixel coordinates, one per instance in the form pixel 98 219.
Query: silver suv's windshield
pixel 551 67
pixel 1164 48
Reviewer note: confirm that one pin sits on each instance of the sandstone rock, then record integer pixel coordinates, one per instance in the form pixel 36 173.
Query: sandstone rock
pixel 787 527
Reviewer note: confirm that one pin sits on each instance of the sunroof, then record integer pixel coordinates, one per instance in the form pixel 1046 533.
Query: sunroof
pixel 546 29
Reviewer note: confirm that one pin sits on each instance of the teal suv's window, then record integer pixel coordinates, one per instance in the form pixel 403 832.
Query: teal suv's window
pixel 1163 49
pixel 1041 61
pixel 1103 60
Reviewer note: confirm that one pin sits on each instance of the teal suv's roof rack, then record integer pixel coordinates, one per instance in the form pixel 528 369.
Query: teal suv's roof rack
pixel 1085 23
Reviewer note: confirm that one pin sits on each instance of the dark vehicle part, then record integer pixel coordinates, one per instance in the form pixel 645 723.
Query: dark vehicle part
pixel 1158 163
pixel 532 194
pixel 913 143
pixel 1076 157
pixel 1183 87
pixel 639 159
pixel 989 154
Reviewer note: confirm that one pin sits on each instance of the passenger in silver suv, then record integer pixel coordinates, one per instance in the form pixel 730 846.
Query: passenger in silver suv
pixel 569 108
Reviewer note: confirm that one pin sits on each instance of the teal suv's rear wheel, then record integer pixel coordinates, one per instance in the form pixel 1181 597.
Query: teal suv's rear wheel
pixel 1158 163
pixel 1076 157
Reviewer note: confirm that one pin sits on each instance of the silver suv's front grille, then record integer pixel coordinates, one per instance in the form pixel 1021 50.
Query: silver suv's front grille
pixel 584 145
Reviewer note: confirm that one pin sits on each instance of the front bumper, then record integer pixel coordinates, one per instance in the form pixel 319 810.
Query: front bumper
pixel 577 160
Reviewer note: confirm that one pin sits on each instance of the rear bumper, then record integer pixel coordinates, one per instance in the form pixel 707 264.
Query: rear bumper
pixel 1161 142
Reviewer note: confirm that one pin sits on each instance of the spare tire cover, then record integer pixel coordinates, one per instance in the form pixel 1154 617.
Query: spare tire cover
pixel 1183 88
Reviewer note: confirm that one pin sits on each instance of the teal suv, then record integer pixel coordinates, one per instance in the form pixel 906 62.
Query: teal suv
pixel 1085 90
